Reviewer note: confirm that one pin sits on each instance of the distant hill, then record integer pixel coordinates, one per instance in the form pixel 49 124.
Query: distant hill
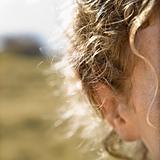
pixel 26 44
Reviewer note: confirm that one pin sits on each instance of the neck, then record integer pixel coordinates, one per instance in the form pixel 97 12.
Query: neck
pixel 153 146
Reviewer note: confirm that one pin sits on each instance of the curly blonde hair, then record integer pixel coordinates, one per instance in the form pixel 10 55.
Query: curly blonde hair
pixel 101 31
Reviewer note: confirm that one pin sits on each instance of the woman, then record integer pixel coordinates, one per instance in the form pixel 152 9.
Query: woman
pixel 116 55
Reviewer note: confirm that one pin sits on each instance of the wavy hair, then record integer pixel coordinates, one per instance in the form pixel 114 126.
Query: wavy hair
pixel 101 31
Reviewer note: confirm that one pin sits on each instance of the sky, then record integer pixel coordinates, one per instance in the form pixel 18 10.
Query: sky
pixel 47 18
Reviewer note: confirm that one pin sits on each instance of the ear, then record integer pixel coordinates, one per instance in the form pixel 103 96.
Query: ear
pixel 116 113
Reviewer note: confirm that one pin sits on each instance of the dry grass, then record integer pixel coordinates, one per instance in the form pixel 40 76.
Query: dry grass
pixel 28 111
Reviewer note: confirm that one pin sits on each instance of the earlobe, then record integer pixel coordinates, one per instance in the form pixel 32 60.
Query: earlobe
pixel 113 111
pixel 109 104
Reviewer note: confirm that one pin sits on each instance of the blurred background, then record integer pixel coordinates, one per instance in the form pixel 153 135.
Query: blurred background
pixel 31 39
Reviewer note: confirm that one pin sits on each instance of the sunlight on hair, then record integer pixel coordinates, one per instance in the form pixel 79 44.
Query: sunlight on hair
pixel 81 118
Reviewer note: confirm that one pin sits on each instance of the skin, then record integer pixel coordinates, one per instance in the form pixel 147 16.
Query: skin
pixel 129 118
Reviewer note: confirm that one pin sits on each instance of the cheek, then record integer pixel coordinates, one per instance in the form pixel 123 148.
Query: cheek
pixel 154 114
pixel 148 44
pixel 142 87
pixel 143 93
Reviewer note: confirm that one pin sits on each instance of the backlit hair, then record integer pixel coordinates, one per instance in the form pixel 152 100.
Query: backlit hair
pixel 102 29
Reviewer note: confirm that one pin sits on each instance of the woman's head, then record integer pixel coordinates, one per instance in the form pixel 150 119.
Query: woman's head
pixel 116 46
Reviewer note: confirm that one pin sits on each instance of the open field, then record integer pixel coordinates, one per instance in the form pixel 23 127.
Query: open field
pixel 28 111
